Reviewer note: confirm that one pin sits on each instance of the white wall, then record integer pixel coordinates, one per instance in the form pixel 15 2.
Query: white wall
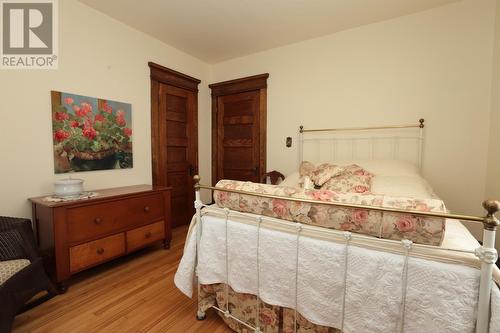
pixel 434 64
pixel 99 57
pixel 493 177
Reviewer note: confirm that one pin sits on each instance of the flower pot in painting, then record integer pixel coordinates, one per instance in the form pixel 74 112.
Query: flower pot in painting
pixel 88 160
pixel 90 134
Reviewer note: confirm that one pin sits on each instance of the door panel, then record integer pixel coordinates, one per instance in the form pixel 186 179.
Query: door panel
pixel 178 148
pixel 238 136
pixel 174 137
pixel 177 106
pixel 239 109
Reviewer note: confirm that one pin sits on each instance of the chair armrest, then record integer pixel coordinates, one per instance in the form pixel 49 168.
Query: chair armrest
pixel 274 176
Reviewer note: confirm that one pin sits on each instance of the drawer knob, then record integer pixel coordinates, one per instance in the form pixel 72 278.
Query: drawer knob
pixel 97 220
pixel 100 250
pixel 148 234
pixel 146 209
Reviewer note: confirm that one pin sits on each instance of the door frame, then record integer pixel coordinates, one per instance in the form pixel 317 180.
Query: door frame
pixel 160 74
pixel 250 83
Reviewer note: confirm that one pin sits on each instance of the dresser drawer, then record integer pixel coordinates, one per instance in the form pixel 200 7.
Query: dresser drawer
pixel 93 221
pixel 95 252
pixel 150 233
pixel 143 209
pixel 101 219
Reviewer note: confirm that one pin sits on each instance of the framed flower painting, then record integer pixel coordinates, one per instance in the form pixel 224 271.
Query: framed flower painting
pixel 90 133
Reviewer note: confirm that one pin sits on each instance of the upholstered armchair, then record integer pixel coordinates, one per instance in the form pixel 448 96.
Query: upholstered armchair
pixel 22 274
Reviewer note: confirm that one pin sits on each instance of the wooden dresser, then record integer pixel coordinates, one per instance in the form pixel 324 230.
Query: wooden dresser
pixel 80 234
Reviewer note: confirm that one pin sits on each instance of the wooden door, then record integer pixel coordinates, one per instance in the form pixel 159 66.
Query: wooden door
pixel 174 124
pixel 238 146
pixel 239 129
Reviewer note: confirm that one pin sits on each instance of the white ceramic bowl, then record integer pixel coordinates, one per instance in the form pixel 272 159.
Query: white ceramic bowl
pixel 68 187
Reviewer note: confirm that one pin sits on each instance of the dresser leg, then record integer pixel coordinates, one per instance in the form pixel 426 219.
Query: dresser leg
pixel 166 244
pixel 62 287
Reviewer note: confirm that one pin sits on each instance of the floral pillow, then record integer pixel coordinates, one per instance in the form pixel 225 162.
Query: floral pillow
pixel 306 168
pixel 356 170
pixel 324 172
pixel 349 183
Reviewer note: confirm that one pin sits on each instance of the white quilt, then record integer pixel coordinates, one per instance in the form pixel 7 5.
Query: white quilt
pixel 440 297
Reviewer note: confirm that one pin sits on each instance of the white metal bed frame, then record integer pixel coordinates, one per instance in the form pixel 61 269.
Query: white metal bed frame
pixel 486 253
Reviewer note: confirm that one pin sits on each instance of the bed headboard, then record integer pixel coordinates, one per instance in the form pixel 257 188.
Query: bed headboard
pixel 399 142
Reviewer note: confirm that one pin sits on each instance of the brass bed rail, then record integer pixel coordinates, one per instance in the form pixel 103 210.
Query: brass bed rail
pixel 420 125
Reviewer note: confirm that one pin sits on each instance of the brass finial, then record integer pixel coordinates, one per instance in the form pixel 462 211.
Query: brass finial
pixel 490 221
pixel 421 121
pixel 301 128
pixel 196 179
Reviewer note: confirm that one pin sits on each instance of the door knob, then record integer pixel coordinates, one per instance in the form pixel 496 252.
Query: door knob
pixel 256 171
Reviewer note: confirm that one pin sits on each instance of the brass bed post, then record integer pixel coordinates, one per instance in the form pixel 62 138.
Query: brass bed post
pixel 301 143
pixel 488 256
pixel 200 314
pixel 421 143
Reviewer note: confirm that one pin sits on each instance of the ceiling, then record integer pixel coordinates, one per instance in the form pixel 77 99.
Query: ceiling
pixel 217 30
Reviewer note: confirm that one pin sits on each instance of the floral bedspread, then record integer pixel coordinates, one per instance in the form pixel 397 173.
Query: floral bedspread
pixel 422 230
pixel 271 318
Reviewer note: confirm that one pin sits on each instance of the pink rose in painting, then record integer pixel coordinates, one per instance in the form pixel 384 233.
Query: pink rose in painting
pixel 120 118
pixel 86 107
pixel 267 316
pixel 322 195
pixel 359 216
pixel 74 124
pixel 89 132
pixel 68 100
pixel 99 117
pixel 107 108
pixel 346 226
pixel 121 121
pixel 60 116
pixel 360 172
pixel 360 189
pixel 279 207
pixel 79 111
pixel 127 131
pixel 61 135
pixel 406 223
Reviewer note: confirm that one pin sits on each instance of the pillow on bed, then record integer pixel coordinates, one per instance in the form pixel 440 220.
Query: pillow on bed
pixel 356 170
pixel 306 168
pixel 324 172
pixel 349 183
pixel 385 167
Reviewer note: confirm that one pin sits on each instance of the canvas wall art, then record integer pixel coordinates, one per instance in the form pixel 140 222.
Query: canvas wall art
pixel 90 133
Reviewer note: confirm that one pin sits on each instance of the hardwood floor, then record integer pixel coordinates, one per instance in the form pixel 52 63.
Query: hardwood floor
pixel 132 294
